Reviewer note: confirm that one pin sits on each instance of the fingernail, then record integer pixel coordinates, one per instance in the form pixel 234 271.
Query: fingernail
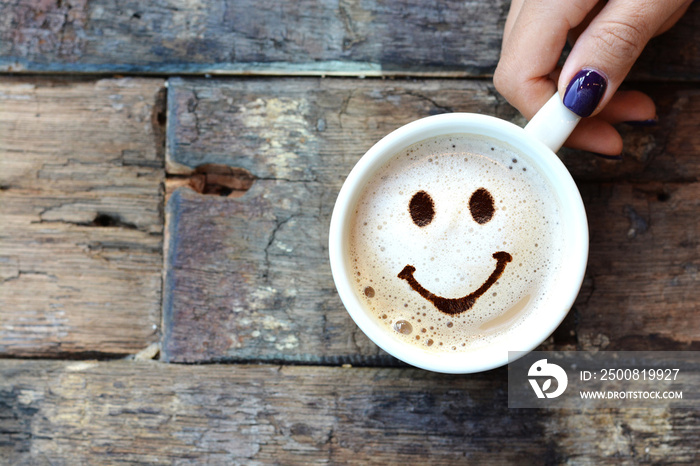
pixel 649 122
pixel 584 92
pixel 608 157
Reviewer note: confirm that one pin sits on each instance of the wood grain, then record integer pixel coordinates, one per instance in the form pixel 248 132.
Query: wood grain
pixel 81 174
pixel 149 412
pixel 641 290
pixel 667 151
pixel 248 278
pixel 304 129
pixel 254 166
pixel 301 128
pixel 346 37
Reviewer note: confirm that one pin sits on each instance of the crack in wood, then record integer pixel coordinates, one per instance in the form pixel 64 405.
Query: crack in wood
pixel 344 107
pixel 276 229
pixel 439 107
pixel 21 273
pixel 101 220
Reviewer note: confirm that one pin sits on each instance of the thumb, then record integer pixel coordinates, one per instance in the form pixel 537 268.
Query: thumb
pixel 606 50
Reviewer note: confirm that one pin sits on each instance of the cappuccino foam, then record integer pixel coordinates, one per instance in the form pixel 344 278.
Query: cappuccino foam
pixel 454 242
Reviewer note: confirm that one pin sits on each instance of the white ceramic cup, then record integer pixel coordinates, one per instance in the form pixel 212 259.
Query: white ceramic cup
pixel 538 142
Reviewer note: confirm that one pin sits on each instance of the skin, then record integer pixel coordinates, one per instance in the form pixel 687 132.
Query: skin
pixel 608 36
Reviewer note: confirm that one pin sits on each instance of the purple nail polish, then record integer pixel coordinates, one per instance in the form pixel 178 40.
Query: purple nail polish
pixel 649 122
pixel 607 157
pixel 584 92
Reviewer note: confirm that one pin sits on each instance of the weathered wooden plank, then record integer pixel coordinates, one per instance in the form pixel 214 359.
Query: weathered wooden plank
pixel 310 36
pixel 346 37
pixel 298 128
pixel 248 278
pixel 81 174
pixel 642 285
pixel 148 412
pixel 304 128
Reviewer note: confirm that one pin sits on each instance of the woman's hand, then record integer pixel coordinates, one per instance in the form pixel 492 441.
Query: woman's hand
pixel 609 37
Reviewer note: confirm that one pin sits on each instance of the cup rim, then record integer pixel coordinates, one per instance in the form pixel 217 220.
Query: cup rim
pixel 528 336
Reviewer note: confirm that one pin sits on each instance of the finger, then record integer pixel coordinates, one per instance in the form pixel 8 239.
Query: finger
pixel 513 13
pixel 598 135
pixel 595 135
pixel 674 18
pixel 575 32
pixel 532 49
pixel 607 49
pixel 628 106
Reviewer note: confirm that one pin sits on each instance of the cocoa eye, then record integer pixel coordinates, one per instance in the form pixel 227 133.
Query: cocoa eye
pixel 481 206
pixel 422 208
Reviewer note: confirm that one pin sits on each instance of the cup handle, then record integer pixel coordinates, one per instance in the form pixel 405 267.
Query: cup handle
pixel 553 123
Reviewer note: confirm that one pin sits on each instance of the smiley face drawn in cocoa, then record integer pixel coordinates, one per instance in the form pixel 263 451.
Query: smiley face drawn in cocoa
pixel 482 209
pixel 444 207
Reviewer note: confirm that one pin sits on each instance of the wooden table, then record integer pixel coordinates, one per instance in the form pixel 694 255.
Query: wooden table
pixel 167 174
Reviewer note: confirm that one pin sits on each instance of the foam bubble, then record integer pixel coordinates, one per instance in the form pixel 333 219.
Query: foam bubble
pixel 453 253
